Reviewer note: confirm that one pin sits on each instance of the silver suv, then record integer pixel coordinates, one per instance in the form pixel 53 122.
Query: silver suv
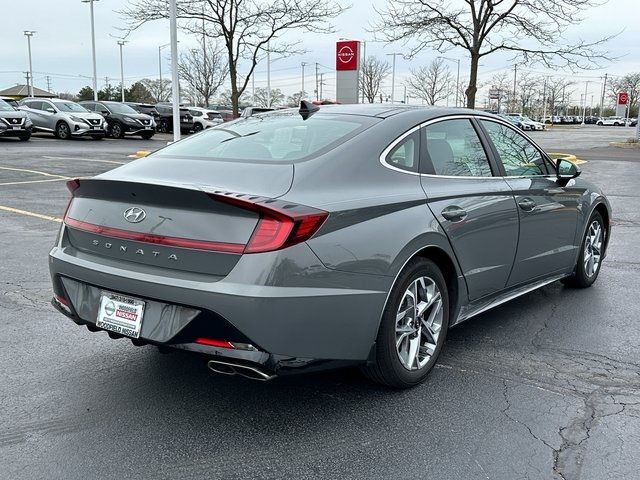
pixel 63 118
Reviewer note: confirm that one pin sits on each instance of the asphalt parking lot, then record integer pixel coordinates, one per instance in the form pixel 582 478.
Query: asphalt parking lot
pixel 544 387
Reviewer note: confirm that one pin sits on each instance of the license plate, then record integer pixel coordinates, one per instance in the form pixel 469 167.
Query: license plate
pixel 16 128
pixel 120 314
pixel 147 128
pixel 93 128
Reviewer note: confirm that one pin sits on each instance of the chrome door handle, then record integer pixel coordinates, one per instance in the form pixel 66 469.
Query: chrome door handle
pixel 454 213
pixel 527 204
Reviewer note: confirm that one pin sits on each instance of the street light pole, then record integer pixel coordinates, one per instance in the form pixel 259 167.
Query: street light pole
pixel 160 87
pixel 175 85
pixel 302 91
pixel 584 106
pixel 393 74
pixel 457 60
pixel 268 76
pixel 121 43
pixel 93 49
pixel 29 34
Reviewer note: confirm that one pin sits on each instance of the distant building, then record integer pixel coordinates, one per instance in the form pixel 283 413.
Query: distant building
pixel 18 92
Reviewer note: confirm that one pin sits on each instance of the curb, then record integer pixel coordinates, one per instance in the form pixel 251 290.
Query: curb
pixel 567 156
pixel 139 154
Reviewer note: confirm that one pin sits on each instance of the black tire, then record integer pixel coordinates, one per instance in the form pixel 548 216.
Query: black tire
pixel 387 368
pixel 580 277
pixel 615 124
pixel 163 126
pixel 185 131
pixel 197 127
pixel 63 131
pixel 600 124
pixel 147 135
pixel 25 137
pixel 117 131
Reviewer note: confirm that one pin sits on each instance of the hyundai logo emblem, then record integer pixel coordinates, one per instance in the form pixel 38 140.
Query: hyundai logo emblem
pixel 134 214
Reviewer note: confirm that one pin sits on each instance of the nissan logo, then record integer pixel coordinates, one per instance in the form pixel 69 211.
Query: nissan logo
pixel 134 214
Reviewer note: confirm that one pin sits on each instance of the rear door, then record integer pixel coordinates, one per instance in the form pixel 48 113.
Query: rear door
pixel 475 208
pixel 548 210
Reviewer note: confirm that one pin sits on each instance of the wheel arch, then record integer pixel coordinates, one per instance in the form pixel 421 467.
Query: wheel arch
pixel 602 209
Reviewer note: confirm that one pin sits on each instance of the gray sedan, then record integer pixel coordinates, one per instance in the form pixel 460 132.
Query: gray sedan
pixel 325 236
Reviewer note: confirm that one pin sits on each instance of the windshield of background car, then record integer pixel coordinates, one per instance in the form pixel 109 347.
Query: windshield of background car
pixel 121 108
pixel 271 138
pixel 5 107
pixel 69 107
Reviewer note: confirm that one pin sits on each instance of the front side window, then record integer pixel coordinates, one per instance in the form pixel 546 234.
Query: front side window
pixel 454 149
pixel 519 156
pixel 5 107
pixel 70 107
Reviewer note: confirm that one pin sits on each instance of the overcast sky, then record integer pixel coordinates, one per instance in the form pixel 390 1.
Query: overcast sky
pixel 62 46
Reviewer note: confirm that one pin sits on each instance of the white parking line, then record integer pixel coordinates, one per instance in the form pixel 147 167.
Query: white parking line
pixel 30 214
pixel 37 172
pixel 85 159
pixel 34 181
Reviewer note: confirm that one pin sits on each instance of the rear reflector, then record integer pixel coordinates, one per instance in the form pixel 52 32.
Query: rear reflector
pixel 62 303
pixel 212 342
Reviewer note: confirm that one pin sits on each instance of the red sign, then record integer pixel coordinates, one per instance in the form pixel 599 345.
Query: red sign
pixel 347 55
pixel 623 98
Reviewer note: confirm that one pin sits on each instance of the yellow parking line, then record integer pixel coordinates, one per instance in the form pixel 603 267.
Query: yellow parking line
pixel 34 181
pixel 85 159
pixel 30 214
pixel 37 172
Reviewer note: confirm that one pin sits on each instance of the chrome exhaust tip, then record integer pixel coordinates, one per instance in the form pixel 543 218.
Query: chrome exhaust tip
pixel 248 371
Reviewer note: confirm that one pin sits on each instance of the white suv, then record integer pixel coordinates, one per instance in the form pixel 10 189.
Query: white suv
pixel 204 118
pixel 615 121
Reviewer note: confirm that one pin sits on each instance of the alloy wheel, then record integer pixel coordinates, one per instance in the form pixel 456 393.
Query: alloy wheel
pixel 593 249
pixel 418 323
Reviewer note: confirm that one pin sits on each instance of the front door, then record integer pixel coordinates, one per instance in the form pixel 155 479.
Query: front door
pixel 548 210
pixel 475 209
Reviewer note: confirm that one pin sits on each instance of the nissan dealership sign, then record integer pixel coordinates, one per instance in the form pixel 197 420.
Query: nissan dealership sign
pixel 347 55
pixel 347 71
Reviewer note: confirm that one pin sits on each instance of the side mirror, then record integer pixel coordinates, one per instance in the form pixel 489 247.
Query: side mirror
pixel 105 112
pixel 567 170
pixel 51 110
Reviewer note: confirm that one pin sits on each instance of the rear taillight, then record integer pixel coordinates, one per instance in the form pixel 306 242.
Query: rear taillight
pixel 281 224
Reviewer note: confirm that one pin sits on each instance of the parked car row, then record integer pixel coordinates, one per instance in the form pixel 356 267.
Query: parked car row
pixel 97 119
pixel 523 122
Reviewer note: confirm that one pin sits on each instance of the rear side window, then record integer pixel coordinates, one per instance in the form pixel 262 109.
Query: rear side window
pixel 453 148
pixel 271 138
pixel 405 154
pixel 519 156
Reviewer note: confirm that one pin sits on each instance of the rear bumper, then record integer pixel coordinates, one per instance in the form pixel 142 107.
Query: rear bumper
pixel 295 311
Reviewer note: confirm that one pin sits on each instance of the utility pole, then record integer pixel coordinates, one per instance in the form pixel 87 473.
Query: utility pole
pixel 604 89
pixel 27 75
pixel 584 106
pixel 93 50
pixel 321 83
pixel 29 34
pixel 544 101
pixel 515 76
pixel 303 65
pixel 268 75
pixel 48 79
pixel 363 62
pixel 317 91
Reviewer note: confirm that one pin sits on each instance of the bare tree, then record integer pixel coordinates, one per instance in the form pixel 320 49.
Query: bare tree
pixel 431 83
pixel 528 87
pixel 372 74
pixel 529 29
pixel 160 90
pixel 248 27
pixel 294 99
pixel 500 83
pixel 263 100
pixel 557 94
pixel 203 72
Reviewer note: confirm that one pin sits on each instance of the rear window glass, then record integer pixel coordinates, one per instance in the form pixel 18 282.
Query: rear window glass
pixel 278 137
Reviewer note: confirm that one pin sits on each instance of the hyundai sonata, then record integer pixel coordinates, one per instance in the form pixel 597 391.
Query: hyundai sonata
pixel 325 236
